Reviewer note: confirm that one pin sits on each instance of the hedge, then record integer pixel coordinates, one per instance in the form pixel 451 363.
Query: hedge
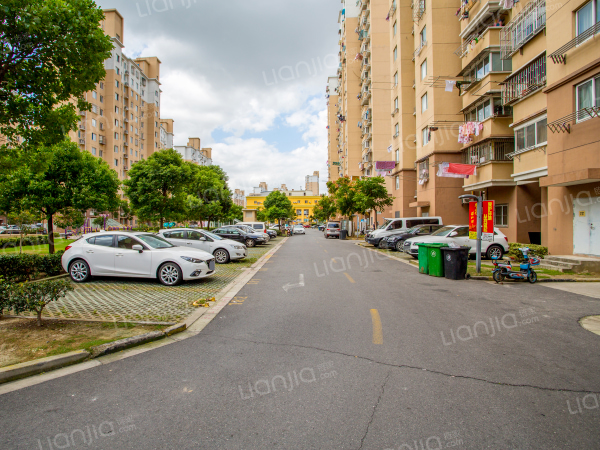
pixel 25 267
pixel 535 250
pixel 27 240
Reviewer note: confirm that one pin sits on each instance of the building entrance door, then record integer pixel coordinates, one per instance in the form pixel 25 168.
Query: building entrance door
pixel 586 226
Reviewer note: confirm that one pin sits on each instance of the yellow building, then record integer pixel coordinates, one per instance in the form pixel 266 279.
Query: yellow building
pixel 303 203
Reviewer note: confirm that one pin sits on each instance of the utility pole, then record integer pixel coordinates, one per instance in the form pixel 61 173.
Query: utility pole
pixel 479 200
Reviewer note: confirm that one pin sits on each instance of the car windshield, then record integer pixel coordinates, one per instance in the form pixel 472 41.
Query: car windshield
pixel 414 229
pixel 298 226
pixel 212 235
pixel 385 224
pixel 154 241
pixel 445 231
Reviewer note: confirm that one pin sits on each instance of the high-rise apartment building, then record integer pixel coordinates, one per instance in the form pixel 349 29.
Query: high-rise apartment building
pixel 312 183
pixel 166 133
pixel 123 124
pixel 333 135
pixel 194 152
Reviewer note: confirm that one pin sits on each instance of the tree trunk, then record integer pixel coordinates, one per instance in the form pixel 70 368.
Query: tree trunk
pixel 21 240
pixel 50 234
pixel 39 318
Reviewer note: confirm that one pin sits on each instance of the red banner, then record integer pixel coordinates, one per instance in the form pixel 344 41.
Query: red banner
pixel 487 228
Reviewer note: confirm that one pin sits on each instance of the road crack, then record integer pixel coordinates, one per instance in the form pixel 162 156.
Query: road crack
pixel 362 441
pixel 407 366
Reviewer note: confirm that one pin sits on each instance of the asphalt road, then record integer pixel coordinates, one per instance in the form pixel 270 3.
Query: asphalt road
pixel 360 352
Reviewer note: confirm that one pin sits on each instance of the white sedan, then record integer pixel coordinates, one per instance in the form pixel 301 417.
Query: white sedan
pixel 299 229
pixel 137 255
pixel 224 250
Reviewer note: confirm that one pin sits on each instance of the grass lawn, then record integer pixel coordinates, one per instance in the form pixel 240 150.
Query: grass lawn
pixel 59 244
pixel 22 340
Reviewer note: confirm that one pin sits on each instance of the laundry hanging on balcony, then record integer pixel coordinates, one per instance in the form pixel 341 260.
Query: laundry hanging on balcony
pixel 468 130
pixel 455 170
pixel 450 85
pixel 358 57
pixel 385 165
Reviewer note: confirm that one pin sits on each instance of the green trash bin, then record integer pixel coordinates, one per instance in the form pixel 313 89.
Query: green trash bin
pixel 435 259
pixel 423 261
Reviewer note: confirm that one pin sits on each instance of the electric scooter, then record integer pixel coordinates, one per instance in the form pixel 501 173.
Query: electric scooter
pixel 525 272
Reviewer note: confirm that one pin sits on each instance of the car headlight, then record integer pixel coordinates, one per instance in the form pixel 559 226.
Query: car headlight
pixel 239 247
pixel 192 260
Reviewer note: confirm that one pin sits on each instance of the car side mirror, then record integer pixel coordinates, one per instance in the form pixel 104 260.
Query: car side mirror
pixel 138 247
pixel 203 238
pixel 454 233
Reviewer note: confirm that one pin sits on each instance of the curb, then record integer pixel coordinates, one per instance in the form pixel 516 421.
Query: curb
pixel 29 368
pixel 49 368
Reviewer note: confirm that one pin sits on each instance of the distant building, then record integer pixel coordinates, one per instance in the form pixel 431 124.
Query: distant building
pixel 239 198
pixel 312 183
pixel 193 152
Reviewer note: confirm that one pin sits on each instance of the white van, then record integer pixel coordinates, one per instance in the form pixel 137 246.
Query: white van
pixel 260 227
pixel 397 225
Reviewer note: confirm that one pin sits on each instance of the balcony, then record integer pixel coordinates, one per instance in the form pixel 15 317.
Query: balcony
pixel 473 45
pixel 563 125
pixel 525 82
pixel 494 164
pixel 82 126
pixel 560 55
pixel 102 140
pixel 491 150
pixel 465 8
pixel 418 50
pixel 524 27
pixel 418 7
pixel 81 141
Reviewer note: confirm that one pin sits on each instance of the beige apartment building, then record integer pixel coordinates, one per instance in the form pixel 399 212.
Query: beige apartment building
pixel 312 183
pixel 333 135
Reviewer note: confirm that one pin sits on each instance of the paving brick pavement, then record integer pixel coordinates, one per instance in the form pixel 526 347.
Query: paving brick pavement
pixel 145 300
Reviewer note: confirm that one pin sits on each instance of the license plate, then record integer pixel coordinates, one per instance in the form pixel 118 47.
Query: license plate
pixel 211 265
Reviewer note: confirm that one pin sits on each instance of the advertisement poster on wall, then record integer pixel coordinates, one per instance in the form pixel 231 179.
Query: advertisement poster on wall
pixel 487 229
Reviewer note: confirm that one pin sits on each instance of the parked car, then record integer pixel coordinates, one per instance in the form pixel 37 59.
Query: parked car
pixel 321 227
pixel 332 229
pixel 306 225
pixel 240 235
pixel 401 224
pixel 138 255
pixel 298 229
pixel 272 233
pixel 10 231
pixel 260 227
pixel 224 250
pixel 395 241
pixel 459 235
pixel 252 230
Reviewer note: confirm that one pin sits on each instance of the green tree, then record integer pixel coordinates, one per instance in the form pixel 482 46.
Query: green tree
pixel 372 195
pixel 223 193
pixel 343 191
pixel 22 219
pixel 71 179
pixel 53 51
pixel 70 217
pixel 324 209
pixel 278 207
pixel 204 200
pixel 235 213
pixel 157 186
pixel 36 296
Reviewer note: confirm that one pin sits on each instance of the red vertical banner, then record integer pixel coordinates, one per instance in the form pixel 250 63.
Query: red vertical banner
pixel 487 229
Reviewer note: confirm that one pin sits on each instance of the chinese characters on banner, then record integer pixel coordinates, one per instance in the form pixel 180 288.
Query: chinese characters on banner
pixel 487 231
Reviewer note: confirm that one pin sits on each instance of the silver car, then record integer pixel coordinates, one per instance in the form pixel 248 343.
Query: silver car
pixel 224 250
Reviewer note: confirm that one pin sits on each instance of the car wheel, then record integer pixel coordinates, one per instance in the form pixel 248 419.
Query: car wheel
pixel 79 271
pixel 221 256
pixel 399 246
pixel 380 244
pixel 494 251
pixel 250 243
pixel 170 274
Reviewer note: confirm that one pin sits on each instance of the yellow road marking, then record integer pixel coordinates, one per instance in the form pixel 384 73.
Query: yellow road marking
pixel 377 329
pixel 349 278
pixel 333 259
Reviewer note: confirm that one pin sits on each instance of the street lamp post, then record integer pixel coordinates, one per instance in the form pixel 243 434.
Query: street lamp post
pixel 479 200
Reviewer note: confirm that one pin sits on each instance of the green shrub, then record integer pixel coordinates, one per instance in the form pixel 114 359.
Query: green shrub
pixel 25 267
pixel 4 295
pixel 35 296
pixel 535 250
pixel 12 242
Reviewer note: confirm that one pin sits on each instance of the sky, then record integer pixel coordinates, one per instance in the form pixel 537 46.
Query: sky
pixel 246 76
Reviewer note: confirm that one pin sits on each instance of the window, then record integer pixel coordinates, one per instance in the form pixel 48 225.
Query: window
pixel 462 232
pixel 117 109
pixel 94 95
pixel 101 112
pixel 116 162
pixel 424 69
pixel 395 28
pixel 531 135
pixel 306 212
pixel 588 96
pixel 94 151
pixel 397 130
pixel 116 96
pixel 116 149
pixel 395 53
pixel 118 58
pixel 94 137
pixel 396 79
pixel 425 135
pixel 102 240
pixel 424 103
pixel 100 154
pixel 397 183
pixel 298 212
pixel 423 36
pixel 118 71
pixel 397 156
pixel 396 103
pixel 101 85
pixel 102 99
pixel 117 83
pixel 94 123
pixel 116 123
pixel 116 135
pixel 587 16
pixel 501 216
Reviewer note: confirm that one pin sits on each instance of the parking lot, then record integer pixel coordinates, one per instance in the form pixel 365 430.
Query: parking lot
pixel 142 300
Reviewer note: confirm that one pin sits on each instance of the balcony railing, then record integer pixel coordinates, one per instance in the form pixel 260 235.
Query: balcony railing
pixel 418 50
pixel 525 81
pixel 465 8
pixel 418 7
pixel 563 125
pixel 560 55
pixel 529 22
pixel 490 150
